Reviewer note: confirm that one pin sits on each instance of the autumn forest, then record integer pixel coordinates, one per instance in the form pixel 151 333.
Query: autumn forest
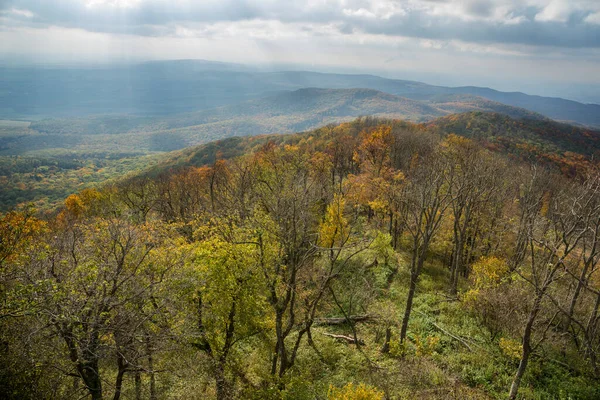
pixel 372 259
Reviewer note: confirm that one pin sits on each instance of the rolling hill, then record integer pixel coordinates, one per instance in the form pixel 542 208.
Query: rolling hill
pixel 557 145
pixel 175 87
pixel 279 113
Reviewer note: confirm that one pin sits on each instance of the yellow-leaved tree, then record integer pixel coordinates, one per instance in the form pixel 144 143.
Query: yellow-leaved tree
pixel 354 392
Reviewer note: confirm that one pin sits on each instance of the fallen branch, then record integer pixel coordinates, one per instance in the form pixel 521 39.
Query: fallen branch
pixel 348 339
pixel 447 333
pixel 451 335
pixel 342 320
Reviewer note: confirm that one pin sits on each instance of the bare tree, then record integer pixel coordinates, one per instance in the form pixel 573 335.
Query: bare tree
pixel 427 199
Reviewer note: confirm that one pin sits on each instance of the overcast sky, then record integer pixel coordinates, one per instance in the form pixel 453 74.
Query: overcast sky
pixel 508 44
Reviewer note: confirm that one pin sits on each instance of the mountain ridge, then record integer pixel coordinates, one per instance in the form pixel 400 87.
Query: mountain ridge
pixel 322 102
pixel 164 88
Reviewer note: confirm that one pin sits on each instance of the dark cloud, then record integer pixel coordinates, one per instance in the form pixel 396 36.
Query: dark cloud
pixel 481 8
pixel 527 32
pixel 474 21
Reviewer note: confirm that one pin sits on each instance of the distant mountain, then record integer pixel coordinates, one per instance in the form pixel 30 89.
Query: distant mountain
pixel 284 112
pixel 174 87
pixel 553 107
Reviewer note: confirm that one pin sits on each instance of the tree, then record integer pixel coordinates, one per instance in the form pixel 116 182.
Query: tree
pixel 228 295
pixel 20 234
pixel 472 177
pixel 426 198
pixel 289 198
pixel 552 235
pixel 86 288
pixel 17 230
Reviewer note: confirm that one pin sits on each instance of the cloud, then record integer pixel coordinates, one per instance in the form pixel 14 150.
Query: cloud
pixel 20 13
pixel 563 23
pixel 593 18
pixel 556 11
pixel 531 39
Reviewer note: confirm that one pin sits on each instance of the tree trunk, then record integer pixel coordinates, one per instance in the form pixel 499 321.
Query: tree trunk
pixel 526 347
pixel 91 377
pixel 151 368
pixel 93 383
pixel 580 284
pixel 280 355
pixel 120 374
pixel 416 267
pixel 456 266
pixel 275 359
pixel 590 330
pixel 223 386
pixel 386 343
pixel 395 234
pixel 138 385
pixel 409 301
pixel 86 363
pixel 514 388
pixel 456 253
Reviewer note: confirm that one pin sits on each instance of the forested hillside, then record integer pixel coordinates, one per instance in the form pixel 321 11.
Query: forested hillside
pixel 543 141
pixel 374 259
pixel 46 176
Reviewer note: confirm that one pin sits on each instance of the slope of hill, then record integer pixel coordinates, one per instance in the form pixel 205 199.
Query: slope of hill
pixel 568 148
pixel 549 135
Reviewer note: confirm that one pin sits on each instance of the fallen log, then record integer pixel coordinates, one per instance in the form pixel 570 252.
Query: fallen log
pixel 461 340
pixel 343 320
pixel 348 339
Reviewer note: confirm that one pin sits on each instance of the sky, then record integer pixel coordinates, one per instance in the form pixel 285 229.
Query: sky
pixel 548 47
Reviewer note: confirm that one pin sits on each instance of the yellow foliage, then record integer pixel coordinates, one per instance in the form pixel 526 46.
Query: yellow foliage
pixel 456 141
pixel 510 348
pixel 373 152
pixel 378 205
pixel 334 230
pixel 16 231
pixel 397 348
pixel 489 271
pixel 354 392
pixel 78 204
pixel 425 346
pixel 470 297
pixel 74 204
pixel 90 195
pixel 545 204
